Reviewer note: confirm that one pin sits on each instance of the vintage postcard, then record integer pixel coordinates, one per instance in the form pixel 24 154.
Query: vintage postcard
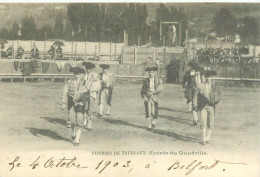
pixel 121 89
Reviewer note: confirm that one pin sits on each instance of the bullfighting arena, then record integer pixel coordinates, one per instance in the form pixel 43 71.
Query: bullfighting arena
pixel 32 120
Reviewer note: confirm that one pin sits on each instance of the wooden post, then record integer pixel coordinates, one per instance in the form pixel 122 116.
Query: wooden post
pixel 115 51
pixel 99 50
pixel 71 50
pixel 146 53
pixel 154 56
pixel 130 72
pixel 85 50
pixel 180 35
pixel 254 69
pixel 45 47
pixel 13 51
pixel 135 55
pixel 254 52
pixel 122 55
pixel 110 51
pixel 31 44
pixel 226 76
pixel 240 75
pixel 164 56
pixel 163 40
pixel 124 37
pixel 187 39
pixel 160 31
pixel 76 46
pixel 150 40
pixel 193 50
pixel 138 41
pixel 95 52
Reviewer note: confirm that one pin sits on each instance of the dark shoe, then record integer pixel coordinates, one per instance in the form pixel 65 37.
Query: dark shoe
pixel 76 144
pixel 89 129
pixel 195 123
pixel 203 143
pixel 73 138
pixel 99 115
pixel 108 114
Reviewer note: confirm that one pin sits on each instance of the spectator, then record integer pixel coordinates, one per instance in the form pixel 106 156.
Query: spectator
pixel 35 52
pixel 59 52
pixel 51 51
pixel 20 52
pixel 9 51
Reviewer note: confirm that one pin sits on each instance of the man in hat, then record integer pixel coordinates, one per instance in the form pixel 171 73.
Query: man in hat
pixel 75 97
pixel 208 97
pixel 151 88
pixel 92 84
pixel 107 85
pixel 9 51
pixel 51 51
pixel 20 52
pixel 59 52
pixel 195 92
pixel 35 52
pixel 149 62
pixel 189 86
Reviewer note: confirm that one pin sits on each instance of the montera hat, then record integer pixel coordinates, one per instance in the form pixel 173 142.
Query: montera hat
pixel 104 66
pixel 209 73
pixel 77 70
pixel 199 68
pixel 193 64
pixel 89 65
pixel 151 68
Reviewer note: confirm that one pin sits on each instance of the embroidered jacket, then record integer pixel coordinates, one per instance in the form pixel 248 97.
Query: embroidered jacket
pixel 151 93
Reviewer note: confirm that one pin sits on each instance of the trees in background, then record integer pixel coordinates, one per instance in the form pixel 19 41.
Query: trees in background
pixel 224 23
pixel 107 22
pixel 249 29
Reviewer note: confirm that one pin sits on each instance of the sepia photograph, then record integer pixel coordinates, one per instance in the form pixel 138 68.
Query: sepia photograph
pixel 130 89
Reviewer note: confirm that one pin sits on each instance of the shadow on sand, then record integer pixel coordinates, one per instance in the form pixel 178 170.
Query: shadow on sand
pixel 47 133
pixel 179 120
pixel 173 110
pixel 155 130
pixel 55 120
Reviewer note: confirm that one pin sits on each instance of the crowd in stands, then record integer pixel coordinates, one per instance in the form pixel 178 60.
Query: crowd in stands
pixel 55 52
pixel 225 56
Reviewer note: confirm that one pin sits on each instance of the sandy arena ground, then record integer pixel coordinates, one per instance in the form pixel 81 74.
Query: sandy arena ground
pixel 31 119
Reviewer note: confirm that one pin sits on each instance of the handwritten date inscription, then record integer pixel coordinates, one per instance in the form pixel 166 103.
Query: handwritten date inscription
pixel 129 165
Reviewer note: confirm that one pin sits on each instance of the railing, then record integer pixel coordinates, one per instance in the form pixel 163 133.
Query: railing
pixel 52 77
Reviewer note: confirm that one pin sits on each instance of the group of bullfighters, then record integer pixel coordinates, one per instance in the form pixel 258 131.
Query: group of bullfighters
pixel 80 94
